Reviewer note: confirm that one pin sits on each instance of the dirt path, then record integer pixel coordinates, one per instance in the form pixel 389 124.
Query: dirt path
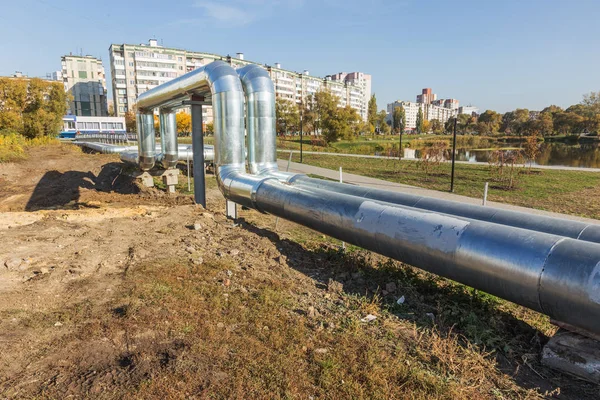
pixel 109 290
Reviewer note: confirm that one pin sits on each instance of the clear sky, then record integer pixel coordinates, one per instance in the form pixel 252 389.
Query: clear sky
pixel 495 54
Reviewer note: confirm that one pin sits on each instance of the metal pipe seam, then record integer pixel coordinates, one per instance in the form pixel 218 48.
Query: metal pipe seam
pixel 471 252
pixel 562 227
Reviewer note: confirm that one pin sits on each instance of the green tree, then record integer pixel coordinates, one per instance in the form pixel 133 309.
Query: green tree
pixel 420 122
pixel 514 122
pixel 381 123
pixel 545 124
pixel 32 107
pixel 568 123
pixel 288 116
pixel 437 127
pixel 372 113
pixel 489 122
pixel 399 118
pixel 325 108
pixel 209 129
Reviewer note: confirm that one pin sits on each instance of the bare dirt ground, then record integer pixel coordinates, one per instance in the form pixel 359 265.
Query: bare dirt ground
pixel 109 290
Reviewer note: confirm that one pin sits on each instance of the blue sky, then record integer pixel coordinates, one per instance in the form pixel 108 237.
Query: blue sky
pixel 496 54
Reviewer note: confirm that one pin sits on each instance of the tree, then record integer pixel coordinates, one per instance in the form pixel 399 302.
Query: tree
pixel 32 107
pixel 531 148
pixel 399 118
pixel 568 122
pixel 591 111
pixel 325 106
pixel 420 127
pixel 184 122
pixel 489 122
pixel 342 124
pixel 111 110
pixel 437 127
pixel 209 129
pixel 288 117
pixel 372 113
pixel 309 116
pixel 130 120
pixel 426 126
pixel 544 124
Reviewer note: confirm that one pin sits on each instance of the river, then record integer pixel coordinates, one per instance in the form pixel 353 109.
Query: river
pixel 577 155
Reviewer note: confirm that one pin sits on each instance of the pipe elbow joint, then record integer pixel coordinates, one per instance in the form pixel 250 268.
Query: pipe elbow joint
pixel 240 187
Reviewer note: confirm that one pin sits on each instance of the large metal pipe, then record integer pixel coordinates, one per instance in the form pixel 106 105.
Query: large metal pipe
pixel 184 154
pixel 557 226
pixel 146 140
pixel 552 274
pixel 262 160
pixel 168 125
pixel 217 82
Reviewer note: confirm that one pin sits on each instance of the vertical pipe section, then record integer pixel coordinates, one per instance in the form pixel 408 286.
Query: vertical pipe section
pixel 198 149
pixel 146 140
pixel 170 147
pixel 161 130
pixel 260 119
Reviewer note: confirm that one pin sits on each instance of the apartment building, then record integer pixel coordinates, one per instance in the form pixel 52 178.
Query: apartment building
pixel 468 110
pixel 84 78
pixel 137 68
pixel 430 112
pixel 426 96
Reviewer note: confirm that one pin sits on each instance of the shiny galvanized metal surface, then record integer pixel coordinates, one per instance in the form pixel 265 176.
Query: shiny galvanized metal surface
pixel 146 140
pixel 540 223
pixel 548 273
pixel 168 125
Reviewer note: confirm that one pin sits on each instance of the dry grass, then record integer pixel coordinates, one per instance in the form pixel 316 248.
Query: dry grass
pixel 13 146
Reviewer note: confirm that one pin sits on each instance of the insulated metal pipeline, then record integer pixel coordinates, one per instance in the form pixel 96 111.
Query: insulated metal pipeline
pixel 146 140
pixel 260 119
pixel 168 127
pixel 217 82
pixel 184 154
pixel 552 274
pixel 557 226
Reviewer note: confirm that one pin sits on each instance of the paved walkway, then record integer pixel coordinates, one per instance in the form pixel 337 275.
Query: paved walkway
pixel 556 167
pixel 399 187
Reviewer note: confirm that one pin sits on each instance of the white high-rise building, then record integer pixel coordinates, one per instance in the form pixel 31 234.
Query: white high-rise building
pixel 84 78
pixel 430 112
pixel 137 68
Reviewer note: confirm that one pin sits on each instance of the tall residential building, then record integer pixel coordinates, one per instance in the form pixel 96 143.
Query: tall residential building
pixel 360 96
pixel 468 110
pixel 426 96
pixel 137 68
pixel 430 112
pixel 84 78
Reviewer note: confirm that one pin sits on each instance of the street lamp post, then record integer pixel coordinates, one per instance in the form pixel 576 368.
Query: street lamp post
pixel 301 115
pixel 453 156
